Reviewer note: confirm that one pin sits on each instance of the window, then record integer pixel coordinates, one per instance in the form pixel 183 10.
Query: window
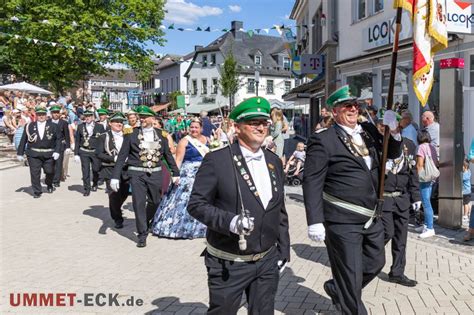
pixel 215 86
pixel 286 63
pixel 269 86
pixel 166 90
pixel 472 71
pixel 194 90
pixel 171 84
pixel 378 5
pixel 287 86
pixel 258 60
pixel 204 87
pixel 204 60
pixel 251 86
pixel 361 9
pixel 213 60
pixel 177 83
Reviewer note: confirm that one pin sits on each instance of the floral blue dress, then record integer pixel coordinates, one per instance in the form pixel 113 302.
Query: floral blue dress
pixel 172 219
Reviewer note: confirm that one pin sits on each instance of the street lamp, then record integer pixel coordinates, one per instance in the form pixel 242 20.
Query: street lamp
pixel 257 79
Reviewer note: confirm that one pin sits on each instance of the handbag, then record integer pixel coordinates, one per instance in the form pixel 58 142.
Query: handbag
pixel 430 172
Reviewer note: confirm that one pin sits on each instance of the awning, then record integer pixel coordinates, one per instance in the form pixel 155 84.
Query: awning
pixel 25 87
pixel 197 108
pixel 281 104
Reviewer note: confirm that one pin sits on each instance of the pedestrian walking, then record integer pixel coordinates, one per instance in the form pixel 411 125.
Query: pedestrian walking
pixel 238 194
pixel 63 128
pixel 43 144
pixel 143 151
pixel 340 195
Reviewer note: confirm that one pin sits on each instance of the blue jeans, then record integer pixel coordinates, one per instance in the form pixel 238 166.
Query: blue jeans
pixel 425 190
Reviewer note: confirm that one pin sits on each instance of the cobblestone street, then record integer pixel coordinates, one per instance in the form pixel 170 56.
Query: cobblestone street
pixel 66 243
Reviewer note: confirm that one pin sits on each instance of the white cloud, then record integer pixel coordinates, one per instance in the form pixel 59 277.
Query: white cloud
pixel 235 8
pixel 187 13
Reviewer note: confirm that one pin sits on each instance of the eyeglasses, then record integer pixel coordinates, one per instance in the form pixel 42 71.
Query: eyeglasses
pixel 350 106
pixel 257 123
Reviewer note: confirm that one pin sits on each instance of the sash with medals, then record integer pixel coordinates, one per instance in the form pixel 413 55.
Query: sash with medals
pixel 149 150
pixel 87 136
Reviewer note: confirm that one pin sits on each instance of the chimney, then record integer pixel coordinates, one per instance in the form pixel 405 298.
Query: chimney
pixel 197 47
pixel 235 29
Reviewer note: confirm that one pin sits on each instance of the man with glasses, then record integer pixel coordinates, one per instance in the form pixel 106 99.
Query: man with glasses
pixel 143 151
pixel 340 192
pixel 44 144
pixel 107 151
pixel 238 194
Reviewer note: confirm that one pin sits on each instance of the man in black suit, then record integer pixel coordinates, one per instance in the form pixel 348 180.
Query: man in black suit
pixel 340 193
pixel 238 194
pixel 44 145
pixel 143 150
pixel 401 191
pixel 108 147
pixel 63 128
pixel 87 136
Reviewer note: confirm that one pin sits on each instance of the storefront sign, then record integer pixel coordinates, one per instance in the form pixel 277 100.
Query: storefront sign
pixel 296 66
pixel 451 63
pixel 460 16
pixel 312 64
pixel 383 33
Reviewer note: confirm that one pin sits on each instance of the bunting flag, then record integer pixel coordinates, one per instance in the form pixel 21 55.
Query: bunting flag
pixel 429 36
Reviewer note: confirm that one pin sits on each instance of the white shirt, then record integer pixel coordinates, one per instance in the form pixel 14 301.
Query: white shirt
pixel 55 121
pixel 41 126
pixel 104 123
pixel 90 128
pixel 118 139
pixel 355 133
pixel 148 134
pixel 259 172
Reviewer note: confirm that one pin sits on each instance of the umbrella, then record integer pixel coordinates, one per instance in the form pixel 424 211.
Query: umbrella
pixel 25 87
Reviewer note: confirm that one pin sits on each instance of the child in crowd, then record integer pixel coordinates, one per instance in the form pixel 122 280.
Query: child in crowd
pixel 466 190
pixel 297 157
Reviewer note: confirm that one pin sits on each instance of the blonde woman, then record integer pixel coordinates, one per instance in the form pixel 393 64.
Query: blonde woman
pixel 276 131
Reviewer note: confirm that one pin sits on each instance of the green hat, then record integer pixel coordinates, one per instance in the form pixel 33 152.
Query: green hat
pixel 118 116
pixel 40 110
pixel 252 108
pixel 55 108
pixel 88 113
pixel 144 110
pixel 341 95
pixel 102 111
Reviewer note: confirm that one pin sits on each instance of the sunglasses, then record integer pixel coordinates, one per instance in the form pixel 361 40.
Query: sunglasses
pixel 256 123
pixel 349 106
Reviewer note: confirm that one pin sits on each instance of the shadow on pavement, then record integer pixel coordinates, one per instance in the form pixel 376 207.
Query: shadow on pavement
pixel 172 305
pixel 77 188
pixel 27 190
pixel 102 213
pixel 128 206
pixel 312 253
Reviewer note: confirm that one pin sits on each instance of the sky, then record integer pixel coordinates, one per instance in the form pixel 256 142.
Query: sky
pixel 218 14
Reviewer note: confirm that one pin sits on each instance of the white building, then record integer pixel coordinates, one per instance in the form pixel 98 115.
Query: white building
pixel 265 54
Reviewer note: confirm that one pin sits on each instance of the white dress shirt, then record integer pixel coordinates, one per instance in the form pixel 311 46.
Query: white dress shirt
pixel 118 139
pixel 55 121
pixel 148 134
pixel 41 126
pixel 104 123
pixel 355 133
pixel 90 128
pixel 259 172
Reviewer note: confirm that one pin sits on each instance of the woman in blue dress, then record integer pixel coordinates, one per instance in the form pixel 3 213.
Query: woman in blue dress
pixel 172 219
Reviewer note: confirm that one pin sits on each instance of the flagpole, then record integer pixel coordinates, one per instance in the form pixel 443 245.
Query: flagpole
pixel 391 86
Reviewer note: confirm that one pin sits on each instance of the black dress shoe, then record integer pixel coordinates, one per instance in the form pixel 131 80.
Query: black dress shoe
pixel 36 196
pixel 118 225
pixel 141 243
pixel 331 291
pixel 402 280
pixel 56 185
pixel 50 189
pixel 94 188
pixel 86 193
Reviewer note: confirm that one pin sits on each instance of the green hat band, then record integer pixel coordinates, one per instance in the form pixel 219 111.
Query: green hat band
pixel 252 108
pixel 102 111
pixel 55 108
pixel 88 113
pixel 40 110
pixel 341 95
pixel 145 111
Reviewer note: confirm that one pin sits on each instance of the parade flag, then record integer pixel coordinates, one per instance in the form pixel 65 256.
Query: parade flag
pixel 429 36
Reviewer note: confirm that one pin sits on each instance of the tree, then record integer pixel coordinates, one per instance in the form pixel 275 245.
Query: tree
pixel 105 101
pixel 229 81
pixel 60 42
pixel 172 98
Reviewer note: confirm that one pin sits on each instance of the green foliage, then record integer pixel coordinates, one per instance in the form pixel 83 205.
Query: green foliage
pixel 229 81
pixel 105 101
pixel 172 98
pixel 61 67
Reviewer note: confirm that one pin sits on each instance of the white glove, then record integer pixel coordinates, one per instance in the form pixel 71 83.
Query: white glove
pixel 416 205
pixel 55 156
pixel 67 151
pixel 77 158
pixel 247 224
pixel 175 180
pixel 390 120
pixel 115 158
pixel 20 158
pixel 73 145
pixel 282 265
pixel 114 184
pixel 316 232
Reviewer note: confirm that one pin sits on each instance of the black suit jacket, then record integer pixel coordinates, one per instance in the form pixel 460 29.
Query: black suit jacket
pixel 81 133
pixel 130 153
pixel 214 201
pixel 51 140
pixel 63 128
pixel 107 157
pixel 405 181
pixel 332 168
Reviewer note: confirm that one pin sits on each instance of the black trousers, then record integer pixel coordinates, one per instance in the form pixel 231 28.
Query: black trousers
pixel 36 164
pixel 357 256
pixel 228 280
pixel 146 196
pixel 116 199
pixel 58 168
pixel 89 160
pixel 396 229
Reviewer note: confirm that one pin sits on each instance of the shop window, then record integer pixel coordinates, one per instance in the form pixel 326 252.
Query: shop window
pixel 360 83
pixel 400 92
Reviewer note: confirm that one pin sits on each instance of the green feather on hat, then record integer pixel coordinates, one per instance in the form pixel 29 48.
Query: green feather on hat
pixel 341 95
pixel 252 108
